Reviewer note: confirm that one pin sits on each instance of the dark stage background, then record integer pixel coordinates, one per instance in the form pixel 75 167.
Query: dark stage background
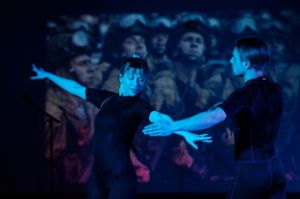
pixel 59 35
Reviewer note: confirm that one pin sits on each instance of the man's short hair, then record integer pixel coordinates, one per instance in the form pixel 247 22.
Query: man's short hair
pixel 255 50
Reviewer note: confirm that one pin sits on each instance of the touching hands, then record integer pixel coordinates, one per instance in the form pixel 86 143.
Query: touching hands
pixel 163 125
pixel 40 73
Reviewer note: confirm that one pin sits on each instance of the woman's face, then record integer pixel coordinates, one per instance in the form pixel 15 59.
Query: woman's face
pixel 132 82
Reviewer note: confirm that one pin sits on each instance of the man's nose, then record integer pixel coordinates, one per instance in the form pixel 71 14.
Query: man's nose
pixel 161 39
pixel 194 43
pixel 92 67
pixel 139 44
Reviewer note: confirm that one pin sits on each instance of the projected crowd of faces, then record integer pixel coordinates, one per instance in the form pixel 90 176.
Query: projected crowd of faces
pixel 190 72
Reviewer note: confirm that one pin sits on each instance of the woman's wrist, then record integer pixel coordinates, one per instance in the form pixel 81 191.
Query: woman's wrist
pixel 48 75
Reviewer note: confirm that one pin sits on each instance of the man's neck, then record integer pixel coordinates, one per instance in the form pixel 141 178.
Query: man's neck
pixel 252 74
pixel 185 73
pixel 159 57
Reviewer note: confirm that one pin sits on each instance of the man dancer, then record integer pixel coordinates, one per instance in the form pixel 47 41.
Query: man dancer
pixel 255 110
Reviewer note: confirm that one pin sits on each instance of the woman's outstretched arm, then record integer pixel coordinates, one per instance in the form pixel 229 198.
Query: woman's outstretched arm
pixel 68 85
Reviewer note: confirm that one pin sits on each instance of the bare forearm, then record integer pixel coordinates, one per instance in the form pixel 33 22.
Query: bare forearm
pixel 68 85
pixel 163 125
pixel 200 121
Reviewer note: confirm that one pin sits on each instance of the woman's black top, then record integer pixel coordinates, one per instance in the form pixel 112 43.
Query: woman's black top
pixel 115 125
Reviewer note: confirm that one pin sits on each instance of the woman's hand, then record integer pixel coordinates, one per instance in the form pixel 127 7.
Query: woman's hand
pixel 40 73
pixel 191 138
pixel 162 125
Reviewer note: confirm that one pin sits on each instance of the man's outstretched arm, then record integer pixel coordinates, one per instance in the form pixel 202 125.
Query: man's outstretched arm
pixel 197 122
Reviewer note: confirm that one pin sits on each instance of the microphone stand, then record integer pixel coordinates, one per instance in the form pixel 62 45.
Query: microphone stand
pixel 50 119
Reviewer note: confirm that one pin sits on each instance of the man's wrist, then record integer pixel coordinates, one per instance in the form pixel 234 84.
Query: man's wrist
pixel 175 127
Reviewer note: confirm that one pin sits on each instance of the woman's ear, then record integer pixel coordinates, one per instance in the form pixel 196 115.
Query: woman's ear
pixel 120 78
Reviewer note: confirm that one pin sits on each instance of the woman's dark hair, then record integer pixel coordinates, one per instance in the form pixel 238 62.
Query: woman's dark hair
pixel 255 50
pixel 135 62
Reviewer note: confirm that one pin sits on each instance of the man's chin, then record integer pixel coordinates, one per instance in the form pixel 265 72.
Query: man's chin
pixel 90 84
pixel 193 58
pixel 237 74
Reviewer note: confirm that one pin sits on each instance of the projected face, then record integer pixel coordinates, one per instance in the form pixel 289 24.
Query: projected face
pixel 134 44
pixel 84 69
pixel 166 88
pixel 159 42
pixel 192 45
pixel 132 82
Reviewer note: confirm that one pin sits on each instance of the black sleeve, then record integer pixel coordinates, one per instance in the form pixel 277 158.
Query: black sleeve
pixel 236 102
pixel 97 96
pixel 144 109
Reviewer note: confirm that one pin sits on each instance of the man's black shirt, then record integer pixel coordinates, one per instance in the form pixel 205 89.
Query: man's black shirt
pixel 255 111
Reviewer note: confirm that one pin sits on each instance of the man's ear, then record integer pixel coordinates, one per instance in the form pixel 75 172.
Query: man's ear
pixel 247 64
